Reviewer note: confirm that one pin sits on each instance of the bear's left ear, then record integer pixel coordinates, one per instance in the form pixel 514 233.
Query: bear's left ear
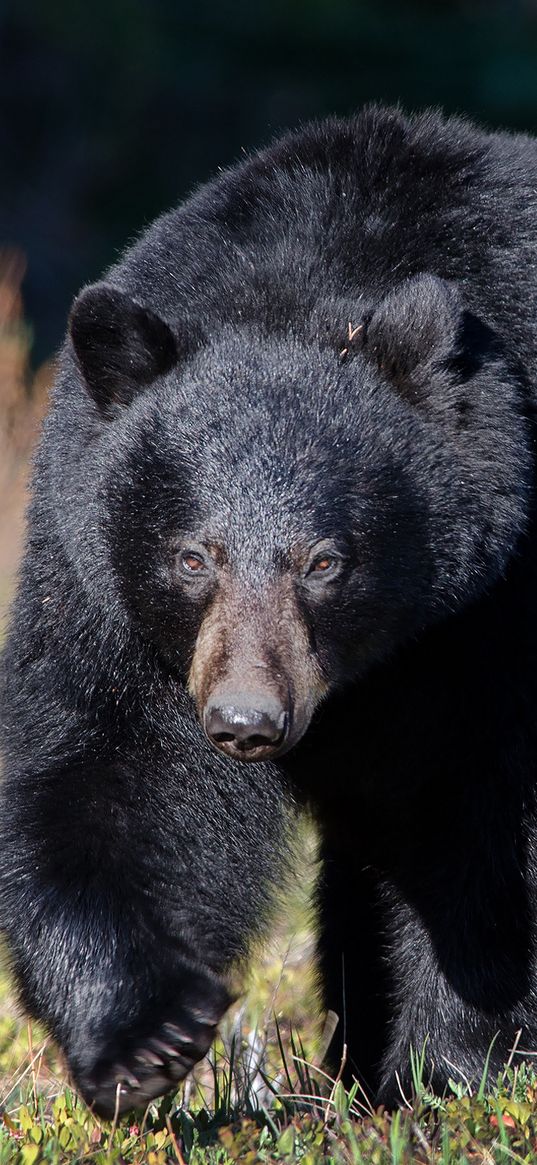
pixel 418 322
pixel 120 345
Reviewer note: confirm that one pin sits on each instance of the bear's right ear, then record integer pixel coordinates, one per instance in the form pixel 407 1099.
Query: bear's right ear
pixel 417 323
pixel 120 345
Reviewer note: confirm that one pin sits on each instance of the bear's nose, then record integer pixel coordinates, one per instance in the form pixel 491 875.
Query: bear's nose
pixel 245 730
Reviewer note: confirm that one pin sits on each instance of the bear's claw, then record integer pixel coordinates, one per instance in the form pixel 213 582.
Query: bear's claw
pixel 146 1070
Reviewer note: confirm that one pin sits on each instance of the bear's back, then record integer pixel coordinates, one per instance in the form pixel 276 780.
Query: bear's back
pixel 346 209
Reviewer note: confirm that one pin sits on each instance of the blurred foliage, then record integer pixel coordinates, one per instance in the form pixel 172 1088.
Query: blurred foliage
pixel 23 401
pixel 111 112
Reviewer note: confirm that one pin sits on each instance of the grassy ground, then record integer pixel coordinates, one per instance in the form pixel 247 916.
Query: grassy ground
pixel 261 1096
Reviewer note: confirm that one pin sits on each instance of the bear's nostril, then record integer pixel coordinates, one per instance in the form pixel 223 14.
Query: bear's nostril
pixel 256 741
pixel 222 737
pixel 240 729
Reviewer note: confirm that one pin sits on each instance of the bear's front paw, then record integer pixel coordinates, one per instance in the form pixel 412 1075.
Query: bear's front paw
pixel 145 1063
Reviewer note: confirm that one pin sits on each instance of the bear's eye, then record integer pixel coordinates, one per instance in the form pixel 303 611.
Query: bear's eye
pixel 323 565
pixel 192 563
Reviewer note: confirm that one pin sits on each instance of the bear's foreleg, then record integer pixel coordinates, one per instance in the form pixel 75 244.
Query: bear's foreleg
pixel 126 893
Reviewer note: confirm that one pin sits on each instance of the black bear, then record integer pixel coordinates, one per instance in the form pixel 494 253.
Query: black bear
pixel 284 513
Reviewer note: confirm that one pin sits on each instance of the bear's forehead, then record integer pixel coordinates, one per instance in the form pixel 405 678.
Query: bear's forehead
pixel 243 379
pixel 257 498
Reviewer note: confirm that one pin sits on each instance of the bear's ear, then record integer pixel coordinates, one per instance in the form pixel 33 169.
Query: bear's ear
pixel 120 346
pixel 417 323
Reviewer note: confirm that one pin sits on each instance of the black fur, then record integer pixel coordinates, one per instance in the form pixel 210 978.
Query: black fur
pixel 352 312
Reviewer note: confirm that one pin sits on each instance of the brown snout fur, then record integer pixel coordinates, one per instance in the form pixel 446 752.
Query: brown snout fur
pixel 257 642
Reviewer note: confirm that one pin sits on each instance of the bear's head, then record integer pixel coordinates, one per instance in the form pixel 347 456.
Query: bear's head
pixel 283 511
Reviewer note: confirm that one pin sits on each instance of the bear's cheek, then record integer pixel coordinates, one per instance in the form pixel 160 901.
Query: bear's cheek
pixel 160 611
pixel 357 630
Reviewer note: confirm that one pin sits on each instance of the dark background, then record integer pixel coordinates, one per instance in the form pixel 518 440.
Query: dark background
pixel 112 110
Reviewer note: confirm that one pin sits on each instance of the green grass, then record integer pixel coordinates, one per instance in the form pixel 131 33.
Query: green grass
pixel 260 1096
